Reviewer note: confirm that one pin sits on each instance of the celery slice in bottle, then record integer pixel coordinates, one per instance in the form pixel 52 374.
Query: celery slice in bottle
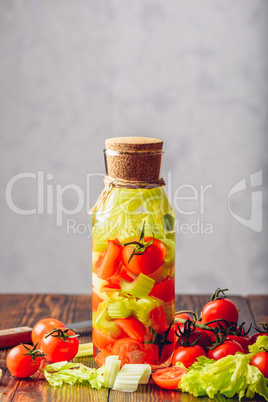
pixel 112 367
pixel 119 309
pixel 140 287
pixel 130 376
pixel 101 321
pixel 143 308
pixel 98 283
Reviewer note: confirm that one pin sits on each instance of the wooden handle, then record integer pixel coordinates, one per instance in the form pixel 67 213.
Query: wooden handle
pixel 15 336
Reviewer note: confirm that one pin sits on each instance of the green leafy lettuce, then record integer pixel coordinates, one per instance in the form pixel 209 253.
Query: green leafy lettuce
pixel 228 376
pixel 72 373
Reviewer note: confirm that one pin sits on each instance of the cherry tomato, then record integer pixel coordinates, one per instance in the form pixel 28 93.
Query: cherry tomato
pixel 131 327
pixel 203 341
pixel 101 357
pixel 129 351
pixel 96 299
pixel 184 316
pixel 108 262
pixel 149 261
pixel 158 320
pixel 164 290
pixel 254 337
pixel 169 377
pixel 151 354
pixel 21 365
pixel 223 309
pixel 102 340
pixel 228 347
pixel 57 349
pixel 44 326
pixel 260 360
pixel 169 348
pixel 243 340
pixel 187 355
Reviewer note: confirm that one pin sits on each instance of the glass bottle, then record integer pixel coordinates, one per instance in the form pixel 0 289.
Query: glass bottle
pixel 133 250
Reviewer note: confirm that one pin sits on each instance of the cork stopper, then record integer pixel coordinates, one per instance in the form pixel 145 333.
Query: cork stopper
pixel 134 158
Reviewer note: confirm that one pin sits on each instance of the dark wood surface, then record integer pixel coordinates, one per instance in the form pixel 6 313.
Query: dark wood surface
pixel 26 310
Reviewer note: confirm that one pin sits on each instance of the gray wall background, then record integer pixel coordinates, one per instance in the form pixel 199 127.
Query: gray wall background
pixel 73 73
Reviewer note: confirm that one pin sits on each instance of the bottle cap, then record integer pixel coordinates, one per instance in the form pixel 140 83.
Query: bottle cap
pixel 133 158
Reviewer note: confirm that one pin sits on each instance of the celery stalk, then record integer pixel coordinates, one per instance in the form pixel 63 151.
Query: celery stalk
pixel 140 287
pixel 130 376
pixel 119 309
pixel 112 367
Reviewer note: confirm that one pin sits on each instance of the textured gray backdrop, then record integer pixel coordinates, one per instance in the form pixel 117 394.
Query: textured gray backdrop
pixel 73 73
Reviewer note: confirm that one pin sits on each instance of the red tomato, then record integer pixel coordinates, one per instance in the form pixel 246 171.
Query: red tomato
pixel 169 377
pixel 168 349
pixel 187 355
pixel 131 327
pixel 164 290
pixel 220 309
pixel 21 365
pixel 129 351
pixel 158 320
pixel 204 338
pixel 184 316
pixel 151 354
pixel 57 349
pixel 228 347
pixel 114 281
pixel 101 357
pixel 44 326
pixel 260 360
pixel 254 337
pixel 101 340
pixel 149 261
pixel 96 299
pixel 108 261
pixel 243 340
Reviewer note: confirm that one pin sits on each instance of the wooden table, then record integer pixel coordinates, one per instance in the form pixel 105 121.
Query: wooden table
pixel 26 310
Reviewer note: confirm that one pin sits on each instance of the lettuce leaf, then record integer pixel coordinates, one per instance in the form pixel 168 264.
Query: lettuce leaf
pixel 228 376
pixel 72 373
pixel 260 345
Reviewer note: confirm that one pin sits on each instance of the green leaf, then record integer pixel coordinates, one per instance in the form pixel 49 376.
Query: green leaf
pixel 72 373
pixel 228 376
pixel 260 345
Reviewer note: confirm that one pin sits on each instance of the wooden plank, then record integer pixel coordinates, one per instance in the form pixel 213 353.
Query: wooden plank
pixel 17 310
pixel 258 305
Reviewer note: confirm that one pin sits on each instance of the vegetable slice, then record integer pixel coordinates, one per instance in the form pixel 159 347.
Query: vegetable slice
pixel 130 376
pixel 228 376
pixel 140 287
pixel 112 367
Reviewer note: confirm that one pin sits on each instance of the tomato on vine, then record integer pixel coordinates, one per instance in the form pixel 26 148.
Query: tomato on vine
pixel 260 360
pixel 43 326
pixel 223 310
pixel 187 355
pixel 144 254
pixel 60 344
pixel 24 360
pixel 228 347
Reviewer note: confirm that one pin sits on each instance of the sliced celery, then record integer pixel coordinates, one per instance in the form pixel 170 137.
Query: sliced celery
pixel 101 321
pixel 143 308
pixel 98 283
pixel 112 367
pixel 119 309
pixel 140 287
pixel 130 375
